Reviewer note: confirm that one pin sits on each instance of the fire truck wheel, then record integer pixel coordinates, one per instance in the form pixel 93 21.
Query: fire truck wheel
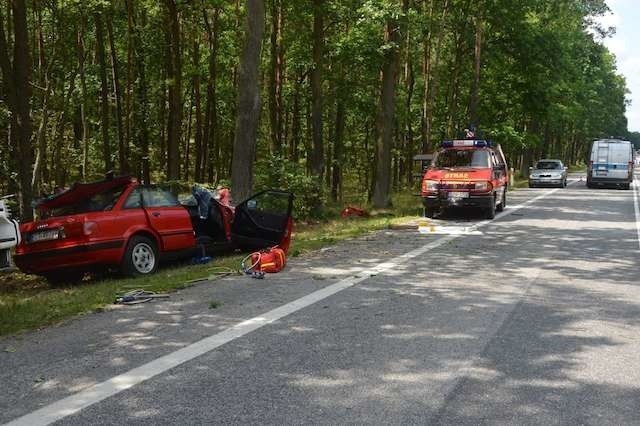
pixel 491 211
pixel 503 202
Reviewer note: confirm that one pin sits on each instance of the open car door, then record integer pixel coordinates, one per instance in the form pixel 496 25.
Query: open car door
pixel 264 220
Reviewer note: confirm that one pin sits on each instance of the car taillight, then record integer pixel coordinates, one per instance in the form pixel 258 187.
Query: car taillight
pixel 483 186
pixel 89 228
pixel 429 186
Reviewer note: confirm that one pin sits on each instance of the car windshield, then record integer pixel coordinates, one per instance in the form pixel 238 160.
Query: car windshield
pixel 462 158
pixel 548 165
pixel 98 202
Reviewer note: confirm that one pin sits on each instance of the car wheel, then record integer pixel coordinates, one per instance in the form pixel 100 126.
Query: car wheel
pixel 503 202
pixel 491 211
pixel 429 212
pixel 140 257
pixel 626 186
pixel 60 278
pixel 531 185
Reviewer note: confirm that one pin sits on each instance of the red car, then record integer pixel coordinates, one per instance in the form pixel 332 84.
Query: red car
pixel 466 173
pixel 120 222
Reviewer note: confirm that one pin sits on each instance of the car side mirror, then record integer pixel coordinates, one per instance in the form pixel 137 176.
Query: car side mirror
pixel 530 168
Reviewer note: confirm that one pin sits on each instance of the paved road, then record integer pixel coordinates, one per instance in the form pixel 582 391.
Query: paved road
pixel 533 318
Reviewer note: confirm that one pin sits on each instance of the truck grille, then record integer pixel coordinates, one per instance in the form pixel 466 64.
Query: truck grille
pixel 458 186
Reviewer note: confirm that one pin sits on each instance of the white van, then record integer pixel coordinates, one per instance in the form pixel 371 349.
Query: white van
pixel 611 163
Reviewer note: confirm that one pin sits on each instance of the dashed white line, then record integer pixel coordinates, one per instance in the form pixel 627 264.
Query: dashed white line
pixel 98 392
pixel 636 189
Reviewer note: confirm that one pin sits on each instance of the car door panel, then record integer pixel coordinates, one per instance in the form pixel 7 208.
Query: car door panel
pixel 264 220
pixel 169 219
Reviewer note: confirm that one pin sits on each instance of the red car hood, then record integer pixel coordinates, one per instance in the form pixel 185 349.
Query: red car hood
pixel 80 191
pixel 460 174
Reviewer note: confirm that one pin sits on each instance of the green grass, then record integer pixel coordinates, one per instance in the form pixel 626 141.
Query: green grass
pixel 28 302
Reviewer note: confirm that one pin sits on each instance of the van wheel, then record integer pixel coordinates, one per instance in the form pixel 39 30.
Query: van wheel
pixel 491 211
pixel 503 202
pixel 140 257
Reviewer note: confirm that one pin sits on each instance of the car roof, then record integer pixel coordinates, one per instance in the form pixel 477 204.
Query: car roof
pixel 551 159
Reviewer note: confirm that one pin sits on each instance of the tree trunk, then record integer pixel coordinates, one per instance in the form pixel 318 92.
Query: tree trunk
pixel 198 105
pixel 210 146
pixel 174 77
pixel 338 146
pixel 115 75
pixel 81 56
pixel 381 193
pixel 295 121
pixel 248 115
pixel 140 117
pixel 104 93
pixel 317 154
pixel 431 61
pixel 276 76
pixel 452 107
pixel 474 119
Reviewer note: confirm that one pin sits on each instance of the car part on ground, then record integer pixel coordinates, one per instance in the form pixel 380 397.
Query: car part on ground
pixel 135 297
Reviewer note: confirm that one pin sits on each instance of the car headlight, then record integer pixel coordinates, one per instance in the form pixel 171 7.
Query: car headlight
pixel 483 186
pixel 429 185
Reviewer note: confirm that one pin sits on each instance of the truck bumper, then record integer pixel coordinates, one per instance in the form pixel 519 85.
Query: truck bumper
pixel 437 202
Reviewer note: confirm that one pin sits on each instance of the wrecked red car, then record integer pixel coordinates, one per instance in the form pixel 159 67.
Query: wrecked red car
pixel 122 223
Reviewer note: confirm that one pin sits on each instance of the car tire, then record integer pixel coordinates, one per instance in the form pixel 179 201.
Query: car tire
pixel 531 185
pixel 503 202
pixel 626 186
pixel 140 257
pixel 429 213
pixel 61 278
pixel 491 211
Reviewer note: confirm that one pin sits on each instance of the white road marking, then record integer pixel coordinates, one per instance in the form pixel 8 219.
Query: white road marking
pixel 636 189
pixel 98 392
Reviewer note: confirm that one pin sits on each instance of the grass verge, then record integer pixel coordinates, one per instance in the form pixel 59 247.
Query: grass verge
pixel 28 302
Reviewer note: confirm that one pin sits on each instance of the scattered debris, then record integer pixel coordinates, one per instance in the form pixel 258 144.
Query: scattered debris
pixel 351 211
pixel 135 297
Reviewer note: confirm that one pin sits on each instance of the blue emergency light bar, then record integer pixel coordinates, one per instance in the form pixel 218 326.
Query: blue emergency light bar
pixel 478 143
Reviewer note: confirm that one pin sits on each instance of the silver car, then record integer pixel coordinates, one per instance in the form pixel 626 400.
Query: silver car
pixel 548 173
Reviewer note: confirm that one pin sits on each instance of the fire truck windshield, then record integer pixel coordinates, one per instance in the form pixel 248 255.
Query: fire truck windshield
pixel 449 158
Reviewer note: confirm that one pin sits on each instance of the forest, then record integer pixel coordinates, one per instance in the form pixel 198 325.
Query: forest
pixel 322 97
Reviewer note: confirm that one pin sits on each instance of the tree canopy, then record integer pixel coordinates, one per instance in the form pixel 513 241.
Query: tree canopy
pixel 347 91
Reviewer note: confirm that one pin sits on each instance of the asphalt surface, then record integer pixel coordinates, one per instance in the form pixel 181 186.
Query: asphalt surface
pixel 533 318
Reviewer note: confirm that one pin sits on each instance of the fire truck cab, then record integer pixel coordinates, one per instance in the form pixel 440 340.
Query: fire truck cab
pixel 466 173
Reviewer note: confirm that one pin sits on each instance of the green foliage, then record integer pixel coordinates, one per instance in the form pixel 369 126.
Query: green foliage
pixel 277 172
